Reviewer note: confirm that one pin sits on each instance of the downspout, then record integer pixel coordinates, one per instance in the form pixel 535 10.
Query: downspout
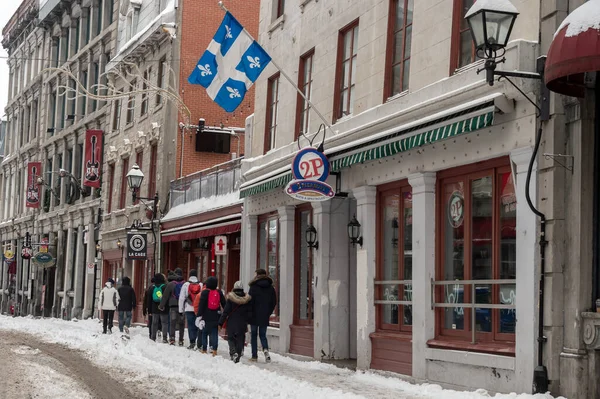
pixel 596 196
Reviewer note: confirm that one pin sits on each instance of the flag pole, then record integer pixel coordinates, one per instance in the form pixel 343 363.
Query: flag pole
pixel 285 75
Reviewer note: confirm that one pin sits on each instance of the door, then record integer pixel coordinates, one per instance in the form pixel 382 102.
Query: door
pixel 233 274
pixel 302 332
pixel 138 286
pixel 199 261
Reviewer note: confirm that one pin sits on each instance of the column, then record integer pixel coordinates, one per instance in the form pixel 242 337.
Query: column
pixel 4 283
pixel 423 243
pixel 80 270
pixel 90 279
pixel 366 211
pixel 60 269
pixel 68 256
pixel 249 245
pixel 287 216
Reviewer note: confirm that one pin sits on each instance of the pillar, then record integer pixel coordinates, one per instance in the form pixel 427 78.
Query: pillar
pixel 80 265
pixel 68 256
pixel 248 247
pixel 423 243
pixel 366 211
pixel 90 280
pixel 287 216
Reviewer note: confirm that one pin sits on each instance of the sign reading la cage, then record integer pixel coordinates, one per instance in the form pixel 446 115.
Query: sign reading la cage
pixel 310 169
pixel 137 244
pixel 93 158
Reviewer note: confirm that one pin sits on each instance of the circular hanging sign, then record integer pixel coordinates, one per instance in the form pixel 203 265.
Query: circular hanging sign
pixel 456 209
pixel 9 254
pixel 310 169
pixel 137 243
pixel 26 253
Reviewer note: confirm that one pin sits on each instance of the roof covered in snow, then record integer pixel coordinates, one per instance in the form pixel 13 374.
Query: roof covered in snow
pixel 585 17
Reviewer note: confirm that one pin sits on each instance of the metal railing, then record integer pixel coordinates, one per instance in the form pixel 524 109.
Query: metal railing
pixel 473 304
pixel 220 179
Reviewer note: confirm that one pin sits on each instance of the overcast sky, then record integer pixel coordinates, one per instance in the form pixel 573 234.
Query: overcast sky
pixel 8 9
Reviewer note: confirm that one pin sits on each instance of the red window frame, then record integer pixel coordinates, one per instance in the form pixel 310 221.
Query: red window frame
pixel 467 174
pixel 305 85
pixel 152 172
pixel 397 188
pixel 272 112
pixel 280 7
pixel 392 59
pixel 342 108
pixel 299 242
pixel 266 218
pixel 111 182
pixel 124 188
pixel 460 27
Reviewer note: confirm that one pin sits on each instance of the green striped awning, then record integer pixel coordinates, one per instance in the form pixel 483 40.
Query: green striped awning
pixel 400 143
pixel 268 185
pixel 416 140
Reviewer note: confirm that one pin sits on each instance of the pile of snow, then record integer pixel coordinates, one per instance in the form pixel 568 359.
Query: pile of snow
pixel 189 371
pixel 586 16
pixel 202 205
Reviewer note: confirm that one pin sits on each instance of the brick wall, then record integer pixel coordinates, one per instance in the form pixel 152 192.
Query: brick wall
pixel 200 21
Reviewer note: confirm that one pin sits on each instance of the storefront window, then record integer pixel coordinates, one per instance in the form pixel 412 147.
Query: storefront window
pixel 268 252
pixel 394 280
pixel 304 269
pixel 478 220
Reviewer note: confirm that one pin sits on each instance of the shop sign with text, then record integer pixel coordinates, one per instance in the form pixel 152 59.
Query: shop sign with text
pixel 310 169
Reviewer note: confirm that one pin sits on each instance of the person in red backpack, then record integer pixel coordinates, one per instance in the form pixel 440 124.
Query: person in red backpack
pixel 212 301
pixel 190 290
pixel 170 300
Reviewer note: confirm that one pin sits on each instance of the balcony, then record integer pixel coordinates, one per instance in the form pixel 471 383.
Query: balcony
pixel 210 188
pixel 48 7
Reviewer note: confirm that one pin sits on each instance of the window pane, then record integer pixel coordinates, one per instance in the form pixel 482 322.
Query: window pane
pixel 389 313
pixel 262 246
pixel 347 44
pixel 466 49
pixel 305 279
pixel 482 205
pixel 396 79
pixel 405 75
pixel 407 48
pixel 398 40
pixel 353 72
pixel 272 258
pixel 508 250
pixel 399 14
pixel 409 11
pixel 344 103
pixel 391 267
pixel 454 252
pixel 345 74
pixel 355 41
pixel 407 309
pixel 351 102
pixel 466 5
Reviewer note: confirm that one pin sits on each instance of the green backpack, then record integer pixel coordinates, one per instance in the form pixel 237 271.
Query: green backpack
pixel 157 293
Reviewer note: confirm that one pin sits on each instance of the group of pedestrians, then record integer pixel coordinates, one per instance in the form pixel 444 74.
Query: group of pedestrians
pixel 170 303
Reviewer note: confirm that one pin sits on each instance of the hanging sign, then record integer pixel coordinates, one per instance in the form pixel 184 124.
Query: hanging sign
pixel 32 195
pixel 44 259
pixel 44 245
pixel 221 245
pixel 137 244
pixel 9 254
pixel 93 158
pixel 26 253
pixel 310 169
pixel 456 209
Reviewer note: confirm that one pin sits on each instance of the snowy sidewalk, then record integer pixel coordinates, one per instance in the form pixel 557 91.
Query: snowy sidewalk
pixel 158 369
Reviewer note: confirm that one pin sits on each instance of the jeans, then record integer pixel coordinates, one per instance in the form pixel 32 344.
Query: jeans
pixel 192 329
pixel 124 319
pixel 162 319
pixel 176 323
pixel 214 337
pixel 107 320
pixel 261 331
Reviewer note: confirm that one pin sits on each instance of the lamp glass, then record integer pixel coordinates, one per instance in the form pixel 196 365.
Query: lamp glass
pixel 311 235
pixel 498 27
pixel 354 229
pixel 477 29
pixel 135 178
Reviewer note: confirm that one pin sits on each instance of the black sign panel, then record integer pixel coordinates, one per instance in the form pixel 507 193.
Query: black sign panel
pixel 137 245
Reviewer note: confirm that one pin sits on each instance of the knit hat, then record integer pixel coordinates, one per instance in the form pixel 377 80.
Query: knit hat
pixel 179 272
pixel 194 273
pixel 238 285
pixel 110 280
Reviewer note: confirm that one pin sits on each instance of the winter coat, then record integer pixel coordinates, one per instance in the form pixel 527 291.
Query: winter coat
pixel 169 300
pixel 147 306
pixel 109 298
pixel 264 300
pixel 127 295
pixel 210 317
pixel 237 312
pixel 185 303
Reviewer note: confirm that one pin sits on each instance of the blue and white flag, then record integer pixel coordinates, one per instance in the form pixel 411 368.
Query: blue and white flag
pixel 230 65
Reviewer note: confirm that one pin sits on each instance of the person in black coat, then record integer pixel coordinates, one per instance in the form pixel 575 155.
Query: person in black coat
pixel 159 316
pixel 264 300
pixel 210 316
pixel 237 314
pixel 126 305
pixel 147 306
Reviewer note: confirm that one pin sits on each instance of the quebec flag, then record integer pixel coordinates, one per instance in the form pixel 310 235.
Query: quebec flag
pixel 230 65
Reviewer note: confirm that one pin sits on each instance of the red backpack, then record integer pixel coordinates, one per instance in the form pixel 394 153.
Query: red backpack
pixel 193 291
pixel 214 300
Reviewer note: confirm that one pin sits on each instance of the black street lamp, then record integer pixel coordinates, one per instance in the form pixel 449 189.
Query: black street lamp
pixel 354 232
pixel 311 237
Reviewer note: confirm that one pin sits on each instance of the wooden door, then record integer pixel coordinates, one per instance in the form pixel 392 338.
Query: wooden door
pixel 233 273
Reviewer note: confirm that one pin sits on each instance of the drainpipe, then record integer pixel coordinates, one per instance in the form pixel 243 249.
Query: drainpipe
pixel 596 196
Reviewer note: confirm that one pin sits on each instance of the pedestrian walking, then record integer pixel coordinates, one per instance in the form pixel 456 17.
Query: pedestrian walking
pixel 170 301
pixel 236 316
pixel 147 306
pixel 264 300
pixel 109 300
pixel 159 316
pixel 210 308
pixel 126 304
pixel 189 291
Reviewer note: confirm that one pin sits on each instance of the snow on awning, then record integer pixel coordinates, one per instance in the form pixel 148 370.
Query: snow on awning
pixel 574 51
pixel 207 229
pixel 430 129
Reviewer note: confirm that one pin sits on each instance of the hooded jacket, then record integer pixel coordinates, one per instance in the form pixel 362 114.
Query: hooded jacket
pixel 169 300
pixel 264 300
pixel 109 298
pixel 127 295
pixel 159 280
pixel 210 317
pixel 185 303
pixel 237 312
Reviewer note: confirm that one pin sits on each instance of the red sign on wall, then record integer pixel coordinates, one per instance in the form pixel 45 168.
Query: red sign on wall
pixel 32 191
pixel 93 158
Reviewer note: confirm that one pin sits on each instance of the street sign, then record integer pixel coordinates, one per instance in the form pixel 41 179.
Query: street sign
pixel 221 245
pixel 90 268
pixel 137 244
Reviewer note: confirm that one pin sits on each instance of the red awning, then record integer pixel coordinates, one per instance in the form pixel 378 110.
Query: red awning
pixel 574 51
pixel 204 232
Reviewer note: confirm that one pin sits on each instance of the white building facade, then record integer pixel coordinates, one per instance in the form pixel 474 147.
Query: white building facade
pixel 431 161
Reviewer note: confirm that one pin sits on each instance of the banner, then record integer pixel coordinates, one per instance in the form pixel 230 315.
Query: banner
pixel 32 197
pixel 93 158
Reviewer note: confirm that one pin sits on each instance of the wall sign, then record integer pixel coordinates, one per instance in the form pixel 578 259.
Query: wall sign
pixel 310 169
pixel 44 259
pixel 456 209
pixel 90 268
pixel 221 245
pixel 32 194
pixel 137 243
pixel 93 158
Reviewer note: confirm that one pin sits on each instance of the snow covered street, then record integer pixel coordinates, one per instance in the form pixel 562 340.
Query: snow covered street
pixel 149 369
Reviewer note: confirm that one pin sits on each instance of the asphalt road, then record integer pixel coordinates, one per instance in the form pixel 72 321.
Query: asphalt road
pixel 35 369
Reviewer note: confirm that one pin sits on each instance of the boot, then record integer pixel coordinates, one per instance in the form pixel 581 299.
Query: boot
pixel 237 358
pixel 214 352
pixel 172 342
pixel 232 357
pixel 192 346
pixel 180 343
pixel 267 356
pixel 203 352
